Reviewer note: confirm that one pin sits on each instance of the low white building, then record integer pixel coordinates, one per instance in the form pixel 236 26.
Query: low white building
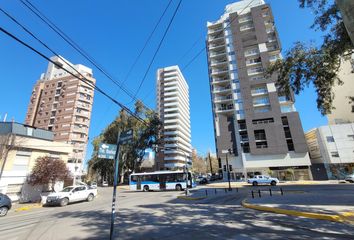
pixel 331 151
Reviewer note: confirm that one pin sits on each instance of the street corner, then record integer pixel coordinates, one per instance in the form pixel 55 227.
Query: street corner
pixel 347 217
pixel 27 207
pixel 313 215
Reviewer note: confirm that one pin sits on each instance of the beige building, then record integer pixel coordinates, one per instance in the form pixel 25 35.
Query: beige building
pixel 20 146
pixel 62 104
pixel 344 107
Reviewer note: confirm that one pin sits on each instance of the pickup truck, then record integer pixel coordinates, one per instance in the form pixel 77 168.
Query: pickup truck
pixel 262 179
pixel 71 194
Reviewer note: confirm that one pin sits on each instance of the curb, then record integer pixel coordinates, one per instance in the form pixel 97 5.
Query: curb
pixel 190 198
pixel 25 208
pixel 321 216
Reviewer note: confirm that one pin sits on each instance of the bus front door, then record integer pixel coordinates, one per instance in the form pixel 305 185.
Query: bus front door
pixel 138 183
pixel 162 182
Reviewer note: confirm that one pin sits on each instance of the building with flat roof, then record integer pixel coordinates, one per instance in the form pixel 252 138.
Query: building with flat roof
pixel 173 110
pixel 20 146
pixel 62 104
pixel 331 151
pixel 257 129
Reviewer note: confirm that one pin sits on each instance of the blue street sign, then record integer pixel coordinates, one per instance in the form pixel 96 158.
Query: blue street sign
pixel 126 136
pixel 107 151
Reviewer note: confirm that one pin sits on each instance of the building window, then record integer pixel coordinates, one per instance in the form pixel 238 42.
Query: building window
pixel 330 139
pixel 57 91
pixel 260 135
pixel 261 145
pixel 334 154
pixel 284 121
pixel 290 144
pixel 51 121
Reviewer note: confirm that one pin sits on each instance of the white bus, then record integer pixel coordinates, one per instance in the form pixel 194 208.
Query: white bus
pixel 160 180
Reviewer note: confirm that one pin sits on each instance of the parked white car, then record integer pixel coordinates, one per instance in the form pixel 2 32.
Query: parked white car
pixel 262 179
pixel 71 194
pixel 350 178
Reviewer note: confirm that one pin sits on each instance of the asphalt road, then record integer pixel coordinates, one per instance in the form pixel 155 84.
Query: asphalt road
pixel 159 215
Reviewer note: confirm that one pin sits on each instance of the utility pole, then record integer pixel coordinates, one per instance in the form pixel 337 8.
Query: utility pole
pixel 186 175
pixel 228 168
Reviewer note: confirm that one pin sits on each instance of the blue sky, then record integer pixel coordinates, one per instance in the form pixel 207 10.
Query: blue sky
pixel 113 32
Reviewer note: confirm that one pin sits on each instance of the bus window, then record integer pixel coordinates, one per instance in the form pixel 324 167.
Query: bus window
pixel 180 177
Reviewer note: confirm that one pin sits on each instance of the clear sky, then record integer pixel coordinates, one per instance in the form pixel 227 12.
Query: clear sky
pixel 113 32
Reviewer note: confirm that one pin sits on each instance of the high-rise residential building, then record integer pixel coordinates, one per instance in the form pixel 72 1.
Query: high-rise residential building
pixel 173 110
pixel 256 127
pixel 343 111
pixel 331 151
pixel 62 103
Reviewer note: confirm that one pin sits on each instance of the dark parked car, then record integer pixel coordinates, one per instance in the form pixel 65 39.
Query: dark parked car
pixel 203 180
pixel 5 204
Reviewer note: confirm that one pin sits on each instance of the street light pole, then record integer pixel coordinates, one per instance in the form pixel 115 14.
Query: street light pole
pixel 228 169
pixel 186 175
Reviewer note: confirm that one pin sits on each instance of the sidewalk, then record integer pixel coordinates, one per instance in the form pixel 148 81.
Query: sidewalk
pixel 334 206
pixel 300 182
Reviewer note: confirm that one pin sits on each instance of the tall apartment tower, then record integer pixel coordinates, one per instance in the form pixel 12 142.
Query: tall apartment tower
pixel 173 110
pixel 256 127
pixel 62 103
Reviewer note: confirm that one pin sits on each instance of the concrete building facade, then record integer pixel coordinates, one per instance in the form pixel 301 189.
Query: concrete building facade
pixel 21 145
pixel 343 111
pixel 173 110
pixel 331 151
pixel 252 120
pixel 62 104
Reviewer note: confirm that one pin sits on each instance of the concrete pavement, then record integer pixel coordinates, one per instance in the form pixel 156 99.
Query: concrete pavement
pixel 158 215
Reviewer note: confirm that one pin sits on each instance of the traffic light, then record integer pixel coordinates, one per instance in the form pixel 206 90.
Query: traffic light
pixel 230 168
pixel 224 168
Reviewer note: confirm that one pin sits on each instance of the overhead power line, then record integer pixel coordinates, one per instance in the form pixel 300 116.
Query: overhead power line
pixel 81 78
pixel 217 35
pixel 74 45
pixel 158 48
pixel 146 43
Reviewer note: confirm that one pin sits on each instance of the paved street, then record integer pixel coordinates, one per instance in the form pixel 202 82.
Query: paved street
pixel 159 215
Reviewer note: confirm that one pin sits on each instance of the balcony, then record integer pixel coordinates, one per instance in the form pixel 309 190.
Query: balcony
pixel 217 54
pixel 227 109
pixel 283 99
pixel 260 102
pixel 220 80
pixel 216 46
pixel 218 63
pixel 220 71
pixel 223 99
pixel 215 30
pixel 216 39
pixel 222 89
pixel 259 91
pixel 242 127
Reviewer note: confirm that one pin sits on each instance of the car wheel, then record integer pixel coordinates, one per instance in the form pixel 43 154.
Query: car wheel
pixel 255 183
pixel 273 183
pixel 146 188
pixel 3 211
pixel 64 202
pixel 178 187
pixel 90 197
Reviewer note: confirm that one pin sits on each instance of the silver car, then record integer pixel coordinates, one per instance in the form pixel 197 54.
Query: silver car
pixel 350 178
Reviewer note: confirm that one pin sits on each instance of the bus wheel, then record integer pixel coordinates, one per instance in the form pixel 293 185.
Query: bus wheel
pixel 178 187
pixel 146 188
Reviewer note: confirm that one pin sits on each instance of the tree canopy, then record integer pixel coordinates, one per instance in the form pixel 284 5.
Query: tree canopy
pixel 145 135
pixel 48 170
pixel 304 64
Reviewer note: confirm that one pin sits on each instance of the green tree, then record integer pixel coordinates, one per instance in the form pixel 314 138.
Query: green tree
pixel 145 135
pixel 307 64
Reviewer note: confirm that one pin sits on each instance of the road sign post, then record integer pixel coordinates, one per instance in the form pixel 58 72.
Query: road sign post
pixel 123 138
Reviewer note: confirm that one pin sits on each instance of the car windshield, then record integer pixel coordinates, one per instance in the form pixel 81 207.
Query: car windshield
pixel 67 189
